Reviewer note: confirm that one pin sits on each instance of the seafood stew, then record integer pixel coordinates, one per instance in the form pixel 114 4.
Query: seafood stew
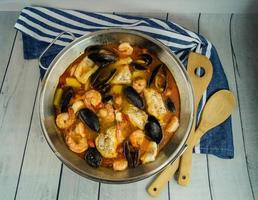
pixel 117 106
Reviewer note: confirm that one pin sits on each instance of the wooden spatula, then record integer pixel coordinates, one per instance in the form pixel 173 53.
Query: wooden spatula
pixel 218 108
pixel 199 84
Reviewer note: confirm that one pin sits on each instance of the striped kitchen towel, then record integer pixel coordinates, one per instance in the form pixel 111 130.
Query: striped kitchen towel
pixel 40 25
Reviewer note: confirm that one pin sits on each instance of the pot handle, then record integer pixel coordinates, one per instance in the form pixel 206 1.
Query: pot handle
pixel 54 40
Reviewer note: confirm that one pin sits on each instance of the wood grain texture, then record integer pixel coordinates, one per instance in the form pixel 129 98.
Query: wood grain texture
pixel 16 104
pixel 7 35
pixel 75 187
pixel 40 170
pixel 135 191
pixel 229 178
pixel 244 37
pixel 145 14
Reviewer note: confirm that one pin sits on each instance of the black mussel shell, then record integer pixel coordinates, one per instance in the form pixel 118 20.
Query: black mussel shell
pixel 133 96
pixel 106 97
pixel 93 157
pixel 103 58
pixel 89 118
pixel 66 97
pixel 153 129
pixel 104 76
pixel 131 154
pixel 161 80
pixel 154 73
pixel 170 105
pixel 138 66
pixel 92 49
pixel 146 58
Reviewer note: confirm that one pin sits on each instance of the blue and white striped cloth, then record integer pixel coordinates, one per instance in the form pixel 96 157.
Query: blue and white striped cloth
pixel 40 25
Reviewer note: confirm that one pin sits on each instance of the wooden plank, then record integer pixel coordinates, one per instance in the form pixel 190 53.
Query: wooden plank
pixel 175 6
pixel 229 178
pixel 7 36
pixel 41 169
pixel 76 187
pixel 189 21
pixel 157 15
pixel 136 191
pixel 16 104
pixel 199 186
pixel 244 37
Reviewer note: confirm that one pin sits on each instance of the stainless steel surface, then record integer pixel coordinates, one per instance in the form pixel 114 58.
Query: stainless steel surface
pixel 53 136
pixel 53 42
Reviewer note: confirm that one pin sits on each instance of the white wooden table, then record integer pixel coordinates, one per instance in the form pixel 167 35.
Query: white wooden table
pixel 29 169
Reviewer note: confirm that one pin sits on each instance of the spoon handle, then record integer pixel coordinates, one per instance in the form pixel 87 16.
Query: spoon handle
pixel 185 168
pixel 161 180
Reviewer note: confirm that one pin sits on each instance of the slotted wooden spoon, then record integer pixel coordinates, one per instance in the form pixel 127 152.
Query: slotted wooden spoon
pixel 218 108
pixel 199 84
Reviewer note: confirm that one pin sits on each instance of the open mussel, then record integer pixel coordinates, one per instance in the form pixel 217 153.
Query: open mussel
pixel 131 154
pixel 100 56
pixel 101 78
pixel 142 62
pixel 133 96
pixel 170 105
pixel 153 129
pixel 159 78
pixel 66 97
pixel 89 118
pixel 93 157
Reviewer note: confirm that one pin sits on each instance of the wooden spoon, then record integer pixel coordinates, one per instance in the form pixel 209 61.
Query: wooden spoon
pixel 218 108
pixel 199 84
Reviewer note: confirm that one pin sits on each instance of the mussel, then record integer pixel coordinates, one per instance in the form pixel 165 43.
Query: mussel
pixel 153 74
pixel 100 56
pixel 133 96
pixel 106 97
pixel 142 61
pixel 131 154
pixel 153 129
pixel 170 105
pixel 101 78
pixel 93 157
pixel 66 97
pixel 159 77
pixel 89 118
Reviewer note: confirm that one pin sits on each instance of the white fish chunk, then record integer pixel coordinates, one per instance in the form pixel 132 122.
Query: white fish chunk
pixel 136 116
pixel 107 143
pixel 155 104
pixel 122 76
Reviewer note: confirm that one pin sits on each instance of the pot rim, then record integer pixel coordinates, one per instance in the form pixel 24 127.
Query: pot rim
pixel 182 145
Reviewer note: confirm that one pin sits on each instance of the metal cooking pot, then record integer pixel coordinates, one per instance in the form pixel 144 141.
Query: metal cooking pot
pixel 170 152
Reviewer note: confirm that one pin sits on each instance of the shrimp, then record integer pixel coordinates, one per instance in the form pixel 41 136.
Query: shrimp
pixel 92 98
pixel 120 164
pixel 65 120
pixel 137 138
pixel 172 125
pixel 125 48
pixel 107 113
pixel 139 84
pixel 76 139
pixel 84 70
